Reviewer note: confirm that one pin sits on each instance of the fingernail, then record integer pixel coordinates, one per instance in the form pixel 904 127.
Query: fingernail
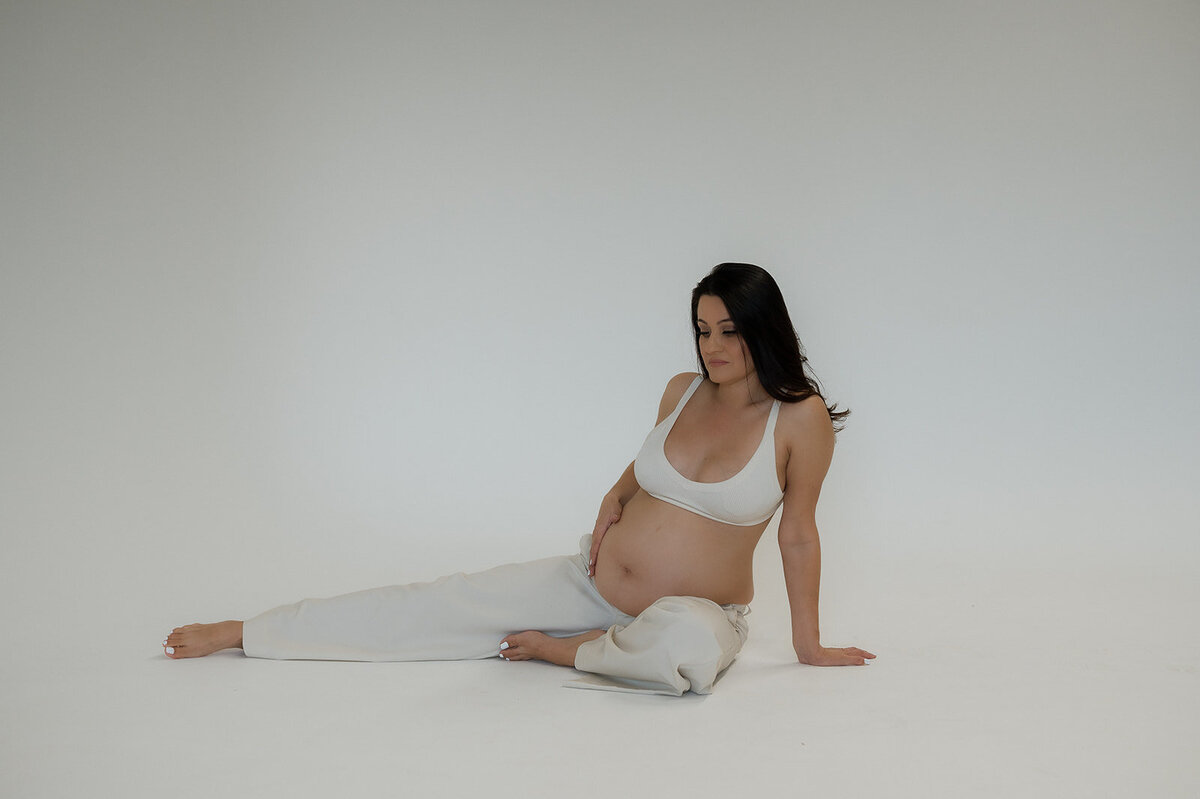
pixel 170 650
pixel 504 645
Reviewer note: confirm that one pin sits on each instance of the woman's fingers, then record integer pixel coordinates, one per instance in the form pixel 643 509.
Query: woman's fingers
pixel 853 656
pixel 610 514
pixel 603 522
pixel 839 656
pixel 597 537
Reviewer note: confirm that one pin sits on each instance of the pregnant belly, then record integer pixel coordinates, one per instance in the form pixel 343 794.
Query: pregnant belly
pixel 658 549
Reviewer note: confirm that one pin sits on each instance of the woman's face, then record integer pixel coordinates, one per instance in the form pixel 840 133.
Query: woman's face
pixel 721 347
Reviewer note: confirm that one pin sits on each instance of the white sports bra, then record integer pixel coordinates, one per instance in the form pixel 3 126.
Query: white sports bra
pixel 748 498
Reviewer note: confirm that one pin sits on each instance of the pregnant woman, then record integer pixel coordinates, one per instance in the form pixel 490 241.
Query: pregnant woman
pixel 656 598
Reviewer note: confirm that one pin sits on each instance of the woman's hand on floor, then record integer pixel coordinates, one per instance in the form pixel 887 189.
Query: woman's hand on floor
pixel 610 514
pixel 835 656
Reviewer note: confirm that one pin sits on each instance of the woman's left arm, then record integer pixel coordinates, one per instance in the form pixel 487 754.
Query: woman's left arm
pixel 810 438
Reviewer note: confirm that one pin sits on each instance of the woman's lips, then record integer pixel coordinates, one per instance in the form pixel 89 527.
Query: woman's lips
pixel 717 363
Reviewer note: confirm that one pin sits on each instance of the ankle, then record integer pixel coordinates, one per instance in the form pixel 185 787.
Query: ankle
pixel 234 628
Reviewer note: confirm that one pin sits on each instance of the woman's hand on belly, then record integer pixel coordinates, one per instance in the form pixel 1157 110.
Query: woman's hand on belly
pixel 610 514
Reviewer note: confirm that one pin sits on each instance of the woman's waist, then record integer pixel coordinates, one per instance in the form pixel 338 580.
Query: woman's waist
pixel 632 589
pixel 657 550
pixel 650 522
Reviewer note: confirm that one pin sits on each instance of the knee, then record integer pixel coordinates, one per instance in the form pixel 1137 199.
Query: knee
pixel 700 626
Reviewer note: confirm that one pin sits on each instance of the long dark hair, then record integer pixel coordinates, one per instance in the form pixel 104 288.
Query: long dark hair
pixel 756 306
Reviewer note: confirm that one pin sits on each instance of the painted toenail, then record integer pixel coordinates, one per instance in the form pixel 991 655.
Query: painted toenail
pixel 170 650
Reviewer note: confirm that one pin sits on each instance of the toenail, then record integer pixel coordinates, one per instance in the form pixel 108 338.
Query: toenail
pixel 170 650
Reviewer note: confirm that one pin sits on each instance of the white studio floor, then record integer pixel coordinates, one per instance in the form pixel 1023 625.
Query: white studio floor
pixel 990 681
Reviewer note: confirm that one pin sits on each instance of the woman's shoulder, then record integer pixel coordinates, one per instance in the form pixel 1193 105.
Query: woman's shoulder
pixel 680 382
pixel 806 421
pixel 676 387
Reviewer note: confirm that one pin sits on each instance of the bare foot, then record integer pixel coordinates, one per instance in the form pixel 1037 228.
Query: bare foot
pixel 198 640
pixel 533 645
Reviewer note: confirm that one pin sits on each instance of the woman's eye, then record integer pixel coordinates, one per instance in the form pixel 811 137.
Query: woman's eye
pixel 729 332
pixel 703 333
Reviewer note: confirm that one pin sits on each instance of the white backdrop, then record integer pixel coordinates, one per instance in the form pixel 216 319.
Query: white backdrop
pixel 301 298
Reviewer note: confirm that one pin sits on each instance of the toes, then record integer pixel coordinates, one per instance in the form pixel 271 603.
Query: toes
pixel 515 653
pixel 511 647
pixel 519 646
pixel 173 642
pixel 512 641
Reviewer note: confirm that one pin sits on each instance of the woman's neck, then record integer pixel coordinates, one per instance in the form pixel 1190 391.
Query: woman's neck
pixel 740 394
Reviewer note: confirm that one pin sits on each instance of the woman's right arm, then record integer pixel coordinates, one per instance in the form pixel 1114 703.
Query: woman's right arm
pixel 610 511
pixel 624 489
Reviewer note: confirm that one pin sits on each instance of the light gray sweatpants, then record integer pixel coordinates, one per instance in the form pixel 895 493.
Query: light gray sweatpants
pixel 675 645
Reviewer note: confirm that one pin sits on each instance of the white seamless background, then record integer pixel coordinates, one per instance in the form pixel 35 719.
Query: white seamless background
pixel 297 299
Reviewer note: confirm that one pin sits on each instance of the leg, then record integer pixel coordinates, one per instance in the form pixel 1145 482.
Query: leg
pixel 675 645
pixel 455 617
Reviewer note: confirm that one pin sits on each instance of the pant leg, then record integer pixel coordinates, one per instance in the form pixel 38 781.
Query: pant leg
pixel 679 643
pixel 457 617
